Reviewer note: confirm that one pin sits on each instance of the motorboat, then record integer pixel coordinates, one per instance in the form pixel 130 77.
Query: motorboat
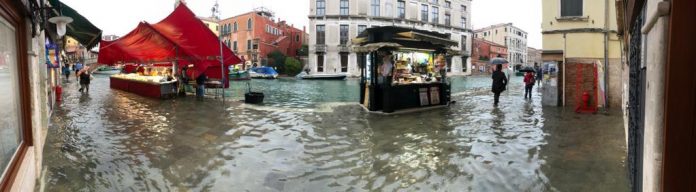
pixel 336 76
pixel 263 73
pixel 107 70
pixel 238 75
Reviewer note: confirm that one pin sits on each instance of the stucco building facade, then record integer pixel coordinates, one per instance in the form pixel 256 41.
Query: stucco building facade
pixel 577 32
pixel 333 23
pixel 255 34
pixel 514 38
pixel 482 52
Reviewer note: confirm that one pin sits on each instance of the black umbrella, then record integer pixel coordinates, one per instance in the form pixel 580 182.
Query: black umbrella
pixel 528 69
pixel 498 61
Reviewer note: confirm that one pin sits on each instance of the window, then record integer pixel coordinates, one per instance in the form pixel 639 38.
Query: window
pixel 424 13
pixel 235 27
pixel 463 8
pixel 344 34
pixel 234 45
pixel 344 7
pixel 321 7
pixel 344 63
pixel 448 4
pixel 571 8
pixel 249 24
pixel 448 20
pixel 361 28
pixel 436 15
pixel 320 63
pixel 463 43
pixel 248 44
pixel 321 31
pixel 374 10
pixel 297 38
pixel 388 9
pixel 433 2
pixel 464 23
pixel 401 6
pixel 10 126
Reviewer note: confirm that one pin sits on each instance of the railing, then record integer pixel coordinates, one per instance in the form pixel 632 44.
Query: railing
pixel 320 48
pixel 343 48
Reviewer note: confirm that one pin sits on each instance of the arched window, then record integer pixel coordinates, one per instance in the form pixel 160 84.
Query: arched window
pixel 249 24
pixel 234 27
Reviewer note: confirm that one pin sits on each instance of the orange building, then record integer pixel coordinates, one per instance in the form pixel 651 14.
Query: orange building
pixel 255 34
pixel 483 51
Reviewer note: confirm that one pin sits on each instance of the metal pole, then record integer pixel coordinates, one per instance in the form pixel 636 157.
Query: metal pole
pixel 222 59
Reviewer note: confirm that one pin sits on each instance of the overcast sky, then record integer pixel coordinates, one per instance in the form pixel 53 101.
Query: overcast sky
pixel 118 17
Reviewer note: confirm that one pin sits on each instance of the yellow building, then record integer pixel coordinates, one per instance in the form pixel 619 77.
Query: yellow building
pixel 212 24
pixel 583 32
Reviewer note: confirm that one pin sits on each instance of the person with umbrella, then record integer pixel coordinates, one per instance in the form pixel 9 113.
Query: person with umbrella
pixel 499 79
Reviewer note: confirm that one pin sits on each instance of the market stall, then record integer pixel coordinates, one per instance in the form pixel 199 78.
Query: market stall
pixel 158 53
pixel 402 69
pixel 150 81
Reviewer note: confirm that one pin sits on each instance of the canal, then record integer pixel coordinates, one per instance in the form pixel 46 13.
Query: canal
pixel 312 136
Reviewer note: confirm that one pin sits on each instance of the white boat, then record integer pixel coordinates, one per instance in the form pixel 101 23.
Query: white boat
pixel 306 76
pixel 263 73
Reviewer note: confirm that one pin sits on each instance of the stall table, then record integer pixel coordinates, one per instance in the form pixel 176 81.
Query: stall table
pixel 152 89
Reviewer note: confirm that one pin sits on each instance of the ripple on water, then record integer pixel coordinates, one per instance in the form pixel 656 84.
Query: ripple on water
pixel 307 136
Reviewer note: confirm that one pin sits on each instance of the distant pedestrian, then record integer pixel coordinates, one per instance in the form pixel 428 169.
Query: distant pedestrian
pixel 499 83
pixel 539 74
pixel 85 78
pixel 528 84
pixel 200 81
pixel 66 72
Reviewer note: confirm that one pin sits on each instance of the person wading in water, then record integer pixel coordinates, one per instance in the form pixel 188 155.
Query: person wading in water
pixel 85 78
pixel 499 83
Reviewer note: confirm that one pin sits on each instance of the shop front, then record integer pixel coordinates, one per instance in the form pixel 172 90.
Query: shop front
pixel 403 69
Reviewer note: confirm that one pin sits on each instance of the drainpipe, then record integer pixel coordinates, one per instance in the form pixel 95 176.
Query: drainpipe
pixel 606 53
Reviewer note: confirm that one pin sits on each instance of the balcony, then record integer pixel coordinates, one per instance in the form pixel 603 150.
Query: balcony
pixel 343 48
pixel 320 48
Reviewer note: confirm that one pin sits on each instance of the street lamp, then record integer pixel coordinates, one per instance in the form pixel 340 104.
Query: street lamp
pixel 61 22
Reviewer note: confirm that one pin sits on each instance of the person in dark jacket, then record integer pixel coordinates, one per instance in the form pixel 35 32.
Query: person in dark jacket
pixel 200 81
pixel 499 83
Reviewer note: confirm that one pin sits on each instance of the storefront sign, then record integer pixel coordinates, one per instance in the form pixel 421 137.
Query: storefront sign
pixel 52 56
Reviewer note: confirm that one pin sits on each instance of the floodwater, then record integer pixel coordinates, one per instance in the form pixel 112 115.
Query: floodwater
pixel 312 136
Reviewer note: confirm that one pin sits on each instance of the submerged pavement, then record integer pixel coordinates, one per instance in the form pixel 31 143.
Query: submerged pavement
pixel 312 136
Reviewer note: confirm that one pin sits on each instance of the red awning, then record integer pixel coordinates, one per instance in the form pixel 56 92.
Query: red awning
pixel 180 35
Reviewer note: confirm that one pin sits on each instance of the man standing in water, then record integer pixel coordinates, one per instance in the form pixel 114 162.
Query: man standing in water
pixel 499 83
pixel 85 77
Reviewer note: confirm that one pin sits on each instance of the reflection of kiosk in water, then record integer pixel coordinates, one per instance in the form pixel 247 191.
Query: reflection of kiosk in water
pixel 402 69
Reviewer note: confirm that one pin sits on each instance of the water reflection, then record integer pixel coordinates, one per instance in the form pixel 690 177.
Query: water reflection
pixel 310 136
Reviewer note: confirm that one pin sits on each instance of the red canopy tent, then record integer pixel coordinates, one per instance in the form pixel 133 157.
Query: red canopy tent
pixel 179 36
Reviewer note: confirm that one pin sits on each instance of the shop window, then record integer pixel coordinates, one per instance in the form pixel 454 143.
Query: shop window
pixel 344 63
pixel 10 128
pixel 320 63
